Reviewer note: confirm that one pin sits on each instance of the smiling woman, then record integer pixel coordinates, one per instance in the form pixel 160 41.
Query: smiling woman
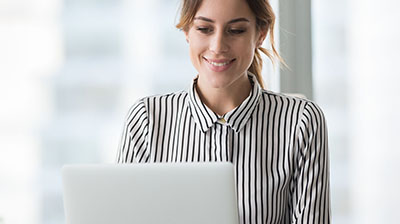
pixel 278 144
pixel 258 11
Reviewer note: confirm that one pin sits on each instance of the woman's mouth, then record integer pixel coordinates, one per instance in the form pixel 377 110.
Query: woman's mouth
pixel 219 65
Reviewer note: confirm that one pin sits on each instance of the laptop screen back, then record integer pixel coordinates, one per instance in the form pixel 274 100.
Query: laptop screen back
pixel 167 193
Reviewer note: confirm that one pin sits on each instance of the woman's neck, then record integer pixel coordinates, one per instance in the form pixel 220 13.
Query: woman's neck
pixel 223 100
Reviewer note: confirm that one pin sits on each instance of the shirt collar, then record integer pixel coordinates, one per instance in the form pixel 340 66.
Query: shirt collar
pixel 236 118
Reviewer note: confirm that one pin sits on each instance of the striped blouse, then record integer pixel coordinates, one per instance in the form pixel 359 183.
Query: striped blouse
pixel 278 145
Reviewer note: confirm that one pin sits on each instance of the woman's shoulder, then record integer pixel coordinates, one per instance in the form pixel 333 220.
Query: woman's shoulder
pixel 161 100
pixel 291 100
pixel 284 96
pixel 181 93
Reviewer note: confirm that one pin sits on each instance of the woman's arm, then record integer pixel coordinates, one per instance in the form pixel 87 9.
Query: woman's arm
pixel 310 194
pixel 133 145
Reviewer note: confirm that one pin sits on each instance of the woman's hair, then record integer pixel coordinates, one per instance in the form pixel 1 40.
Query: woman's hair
pixel 265 21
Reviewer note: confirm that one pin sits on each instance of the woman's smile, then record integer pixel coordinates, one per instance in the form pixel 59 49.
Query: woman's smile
pixel 219 65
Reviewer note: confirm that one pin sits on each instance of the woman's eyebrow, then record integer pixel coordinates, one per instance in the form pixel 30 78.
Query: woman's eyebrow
pixel 212 21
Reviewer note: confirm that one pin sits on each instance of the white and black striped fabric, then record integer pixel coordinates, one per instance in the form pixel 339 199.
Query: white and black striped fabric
pixel 278 145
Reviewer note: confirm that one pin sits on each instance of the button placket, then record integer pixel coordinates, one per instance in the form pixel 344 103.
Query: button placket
pixel 222 120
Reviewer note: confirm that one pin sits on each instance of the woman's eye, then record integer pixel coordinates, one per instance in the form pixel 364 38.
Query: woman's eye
pixel 236 31
pixel 204 29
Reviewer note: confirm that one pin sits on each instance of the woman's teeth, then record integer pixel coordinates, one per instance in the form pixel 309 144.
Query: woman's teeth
pixel 219 64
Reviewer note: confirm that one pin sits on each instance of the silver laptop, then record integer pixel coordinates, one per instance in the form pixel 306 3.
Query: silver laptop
pixel 157 193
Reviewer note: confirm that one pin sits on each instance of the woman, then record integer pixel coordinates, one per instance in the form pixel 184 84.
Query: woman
pixel 278 144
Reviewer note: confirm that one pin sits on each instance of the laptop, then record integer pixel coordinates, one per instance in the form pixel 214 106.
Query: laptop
pixel 153 193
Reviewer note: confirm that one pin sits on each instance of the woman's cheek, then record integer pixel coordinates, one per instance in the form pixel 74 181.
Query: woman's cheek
pixel 199 42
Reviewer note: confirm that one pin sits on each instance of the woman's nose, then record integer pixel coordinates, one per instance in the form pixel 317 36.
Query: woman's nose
pixel 219 43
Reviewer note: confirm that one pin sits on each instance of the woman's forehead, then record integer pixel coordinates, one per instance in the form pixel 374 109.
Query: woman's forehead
pixel 225 10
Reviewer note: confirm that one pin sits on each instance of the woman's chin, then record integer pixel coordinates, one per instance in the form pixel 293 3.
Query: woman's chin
pixel 217 80
pixel 214 81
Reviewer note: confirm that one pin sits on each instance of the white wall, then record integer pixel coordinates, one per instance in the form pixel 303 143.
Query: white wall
pixel 356 53
pixel 374 77
pixel 30 51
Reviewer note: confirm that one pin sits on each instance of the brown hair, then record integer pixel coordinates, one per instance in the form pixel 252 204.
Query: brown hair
pixel 265 21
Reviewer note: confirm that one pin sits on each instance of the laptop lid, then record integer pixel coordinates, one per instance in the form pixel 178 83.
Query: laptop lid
pixel 167 193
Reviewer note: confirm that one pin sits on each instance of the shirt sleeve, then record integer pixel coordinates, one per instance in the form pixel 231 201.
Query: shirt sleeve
pixel 310 191
pixel 133 144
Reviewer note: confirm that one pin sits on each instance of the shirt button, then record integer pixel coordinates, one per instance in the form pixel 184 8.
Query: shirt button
pixel 222 120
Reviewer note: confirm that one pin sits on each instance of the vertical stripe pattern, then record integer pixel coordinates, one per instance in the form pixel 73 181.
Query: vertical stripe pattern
pixel 278 145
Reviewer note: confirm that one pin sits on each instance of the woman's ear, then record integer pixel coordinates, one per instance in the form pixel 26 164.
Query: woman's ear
pixel 261 37
pixel 186 35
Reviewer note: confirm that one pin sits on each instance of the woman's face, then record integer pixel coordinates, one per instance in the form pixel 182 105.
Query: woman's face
pixel 222 41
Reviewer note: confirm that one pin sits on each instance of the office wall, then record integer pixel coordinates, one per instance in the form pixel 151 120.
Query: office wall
pixel 356 56
pixel 374 75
